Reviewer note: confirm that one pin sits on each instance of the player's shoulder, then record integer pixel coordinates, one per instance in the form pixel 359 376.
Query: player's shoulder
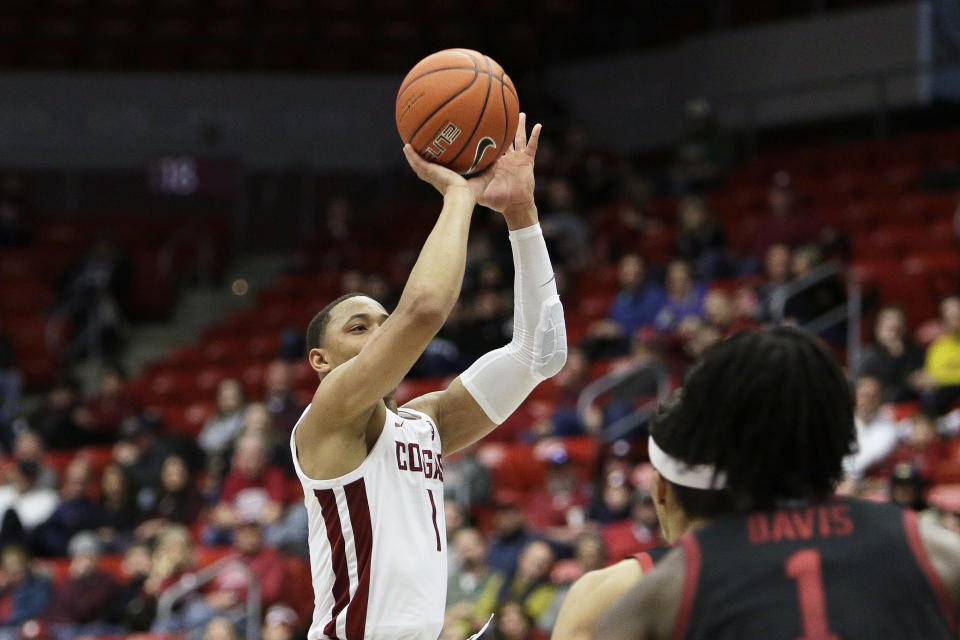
pixel 624 572
pixel 650 557
pixel 942 547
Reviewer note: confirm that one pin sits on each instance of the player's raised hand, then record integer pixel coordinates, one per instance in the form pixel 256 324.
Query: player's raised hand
pixel 507 186
pixel 441 178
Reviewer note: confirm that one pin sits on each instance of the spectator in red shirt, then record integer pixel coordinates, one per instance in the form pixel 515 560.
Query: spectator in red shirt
pixel 923 448
pixel 80 603
pixel 101 415
pixel 230 586
pixel 639 533
pixel 253 490
pixel 558 510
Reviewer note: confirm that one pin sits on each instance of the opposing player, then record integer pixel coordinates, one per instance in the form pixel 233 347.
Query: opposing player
pixel 749 458
pixel 372 473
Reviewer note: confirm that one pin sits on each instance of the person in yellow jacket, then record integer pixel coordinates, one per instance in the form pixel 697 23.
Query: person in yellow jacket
pixel 942 367
pixel 530 585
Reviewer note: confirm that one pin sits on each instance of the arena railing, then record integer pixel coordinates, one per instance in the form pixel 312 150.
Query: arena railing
pixel 851 311
pixel 649 380
pixel 192 582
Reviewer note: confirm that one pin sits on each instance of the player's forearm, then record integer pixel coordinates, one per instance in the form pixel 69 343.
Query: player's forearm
pixel 500 380
pixel 521 216
pixel 434 283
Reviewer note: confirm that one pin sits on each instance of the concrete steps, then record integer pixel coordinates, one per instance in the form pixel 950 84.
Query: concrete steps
pixel 201 308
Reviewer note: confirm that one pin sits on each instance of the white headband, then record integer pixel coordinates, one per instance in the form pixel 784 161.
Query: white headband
pixel 700 476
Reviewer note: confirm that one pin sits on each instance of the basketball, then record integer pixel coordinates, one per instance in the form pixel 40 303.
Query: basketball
pixel 458 108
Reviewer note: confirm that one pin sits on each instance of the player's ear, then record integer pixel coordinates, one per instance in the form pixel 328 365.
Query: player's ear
pixel 319 361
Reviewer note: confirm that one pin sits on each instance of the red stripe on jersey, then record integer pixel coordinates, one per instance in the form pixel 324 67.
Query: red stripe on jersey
pixel 691 576
pixel 338 556
pixel 911 524
pixel 363 541
pixel 646 562
pixel 433 505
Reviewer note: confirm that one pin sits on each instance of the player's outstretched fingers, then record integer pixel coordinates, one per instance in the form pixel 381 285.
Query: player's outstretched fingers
pixel 531 149
pixel 520 138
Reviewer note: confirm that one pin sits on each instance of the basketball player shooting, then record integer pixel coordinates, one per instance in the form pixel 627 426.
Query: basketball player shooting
pixel 372 473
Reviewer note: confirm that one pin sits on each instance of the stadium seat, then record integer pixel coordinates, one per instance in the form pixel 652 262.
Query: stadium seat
pixel 932 262
pixel 414 388
pixel 522 467
pixel 928 206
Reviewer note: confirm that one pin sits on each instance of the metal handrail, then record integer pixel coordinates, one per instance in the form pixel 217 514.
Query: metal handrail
pixel 611 381
pixel 850 311
pixel 783 293
pixel 191 582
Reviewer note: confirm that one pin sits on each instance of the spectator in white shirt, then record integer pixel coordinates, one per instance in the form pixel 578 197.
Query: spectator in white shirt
pixel 24 504
pixel 877 431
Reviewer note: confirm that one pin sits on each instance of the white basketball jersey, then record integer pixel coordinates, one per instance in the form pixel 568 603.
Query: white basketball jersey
pixel 378 538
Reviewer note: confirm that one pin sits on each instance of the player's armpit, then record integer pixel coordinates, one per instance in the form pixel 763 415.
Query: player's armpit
pixel 590 595
pixel 648 610
pixel 459 418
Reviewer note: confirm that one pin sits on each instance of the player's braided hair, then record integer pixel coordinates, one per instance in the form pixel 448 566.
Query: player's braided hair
pixel 772 409
pixel 318 325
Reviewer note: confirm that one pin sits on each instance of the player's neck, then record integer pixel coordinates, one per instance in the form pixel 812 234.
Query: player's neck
pixel 686 526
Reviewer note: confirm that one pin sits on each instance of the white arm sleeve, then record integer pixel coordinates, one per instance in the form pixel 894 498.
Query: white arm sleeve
pixel 502 379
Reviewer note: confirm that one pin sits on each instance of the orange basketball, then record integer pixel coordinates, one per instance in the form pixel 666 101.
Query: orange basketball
pixel 459 109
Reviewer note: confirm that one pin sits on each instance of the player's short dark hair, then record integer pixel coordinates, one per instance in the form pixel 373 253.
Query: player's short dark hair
pixel 318 325
pixel 771 409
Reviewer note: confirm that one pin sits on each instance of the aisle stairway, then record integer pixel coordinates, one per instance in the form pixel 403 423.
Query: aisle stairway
pixel 201 308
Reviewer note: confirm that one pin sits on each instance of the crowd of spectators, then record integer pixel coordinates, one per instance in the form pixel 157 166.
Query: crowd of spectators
pixel 161 497
pixel 154 500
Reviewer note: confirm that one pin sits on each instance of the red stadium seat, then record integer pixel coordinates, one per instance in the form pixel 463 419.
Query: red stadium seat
pixel 263 345
pixel 602 278
pixel 928 206
pixel 24 294
pixel 416 387
pixel 889 279
pixel 186 357
pixel 252 379
pixel 204 556
pixel 881 270
pixel 930 263
pixel 209 378
pixel 99 457
pixel 298 587
pixel 595 306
